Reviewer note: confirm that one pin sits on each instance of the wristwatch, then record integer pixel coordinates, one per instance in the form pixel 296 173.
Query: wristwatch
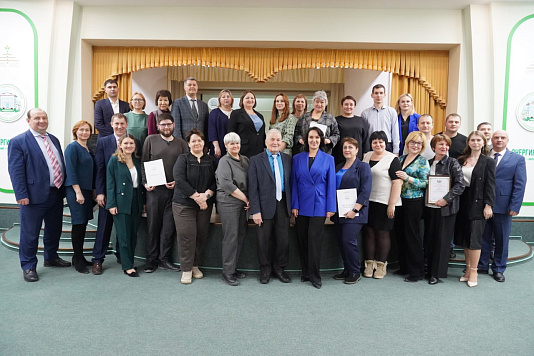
pixel 355 210
pixel 208 195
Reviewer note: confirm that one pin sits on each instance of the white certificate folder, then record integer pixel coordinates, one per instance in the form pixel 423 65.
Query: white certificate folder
pixel 346 198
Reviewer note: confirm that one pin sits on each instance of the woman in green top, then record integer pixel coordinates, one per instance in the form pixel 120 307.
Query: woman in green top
pixel 137 119
pixel 283 121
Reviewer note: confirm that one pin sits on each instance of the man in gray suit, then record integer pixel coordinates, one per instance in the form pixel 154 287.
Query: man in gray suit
pixel 269 191
pixel 189 112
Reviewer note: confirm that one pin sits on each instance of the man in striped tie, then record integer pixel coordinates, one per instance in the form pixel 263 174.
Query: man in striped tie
pixel 37 171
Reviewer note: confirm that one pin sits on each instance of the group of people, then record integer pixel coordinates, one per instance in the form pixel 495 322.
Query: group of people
pixel 366 174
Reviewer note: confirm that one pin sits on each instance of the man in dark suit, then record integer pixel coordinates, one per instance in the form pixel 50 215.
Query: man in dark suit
pixel 269 191
pixel 510 182
pixel 105 148
pixel 37 170
pixel 189 112
pixel 105 108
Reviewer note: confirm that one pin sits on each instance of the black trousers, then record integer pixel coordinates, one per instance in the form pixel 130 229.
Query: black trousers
pixel 438 231
pixel 273 240
pixel 160 224
pixel 310 237
pixel 409 238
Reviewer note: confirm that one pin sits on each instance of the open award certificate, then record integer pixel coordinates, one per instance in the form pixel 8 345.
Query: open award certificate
pixel 438 187
pixel 319 126
pixel 155 173
pixel 346 198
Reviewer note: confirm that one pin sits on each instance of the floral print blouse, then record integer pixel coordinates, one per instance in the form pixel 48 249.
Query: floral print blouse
pixel 418 169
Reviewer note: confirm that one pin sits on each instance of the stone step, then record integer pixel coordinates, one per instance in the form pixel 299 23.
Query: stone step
pixel 11 239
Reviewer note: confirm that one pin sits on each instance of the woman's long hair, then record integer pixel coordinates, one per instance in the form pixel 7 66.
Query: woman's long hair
pixel 322 145
pixel 284 114
pixel 467 150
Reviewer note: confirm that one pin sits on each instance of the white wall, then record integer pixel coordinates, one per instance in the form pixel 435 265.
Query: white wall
pixel 359 83
pixel 148 82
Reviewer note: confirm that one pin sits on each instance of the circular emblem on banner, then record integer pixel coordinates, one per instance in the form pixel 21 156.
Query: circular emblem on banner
pixel 12 103
pixel 525 112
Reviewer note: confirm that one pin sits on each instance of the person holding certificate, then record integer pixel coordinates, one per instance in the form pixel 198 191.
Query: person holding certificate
pixel 232 205
pixel 476 202
pixel 125 199
pixel 313 197
pixel 414 173
pixel 166 148
pixel 192 202
pixel 385 197
pixel 445 185
pixel 352 176
pixel 320 118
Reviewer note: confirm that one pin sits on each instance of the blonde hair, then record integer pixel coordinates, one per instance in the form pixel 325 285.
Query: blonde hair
pixel 397 106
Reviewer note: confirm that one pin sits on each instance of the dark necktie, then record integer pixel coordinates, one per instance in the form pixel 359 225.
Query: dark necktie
pixel 194 109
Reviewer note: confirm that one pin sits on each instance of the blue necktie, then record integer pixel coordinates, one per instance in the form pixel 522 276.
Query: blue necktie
pixel 277 178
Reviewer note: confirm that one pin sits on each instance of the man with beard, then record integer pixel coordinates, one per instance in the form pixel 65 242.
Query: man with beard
pixel 160 221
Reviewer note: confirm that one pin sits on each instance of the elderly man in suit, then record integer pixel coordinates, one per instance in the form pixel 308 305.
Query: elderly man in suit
pixel 189 112
pixel 105 147
pixel 105 108
pixel 37 170
pixel 510 182
pixel 269 190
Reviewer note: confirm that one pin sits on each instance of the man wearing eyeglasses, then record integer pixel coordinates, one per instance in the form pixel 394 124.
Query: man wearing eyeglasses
pixel 161 228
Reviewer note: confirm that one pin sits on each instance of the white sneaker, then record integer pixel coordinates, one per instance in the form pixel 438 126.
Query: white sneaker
pixel 197 273
pixel 186 277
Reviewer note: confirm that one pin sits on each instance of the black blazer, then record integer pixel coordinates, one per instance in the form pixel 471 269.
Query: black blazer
pixel 262 186
pixel 252 142
pixel 482 188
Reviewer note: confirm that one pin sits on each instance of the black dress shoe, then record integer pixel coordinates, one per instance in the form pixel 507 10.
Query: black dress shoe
pixel 168 266
pixel 230 279
pixel 131 274
pixel 264 278
pixel 352 278
pixel 58 262
pixel 498 276
pixel 30 275
pixel 317 285
pixel 341 276
pixel 304 279
pixel 239 274
pixel 81 268
pixel 433 280
pixel 282 276
pixel 413 278
pixel 150 266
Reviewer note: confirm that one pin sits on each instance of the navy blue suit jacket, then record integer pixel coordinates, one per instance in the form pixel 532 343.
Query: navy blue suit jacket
pixel 313 191
pixel 28 169
pixel 510 182
pixel 103 114
pixel 358 176
pixel 262 186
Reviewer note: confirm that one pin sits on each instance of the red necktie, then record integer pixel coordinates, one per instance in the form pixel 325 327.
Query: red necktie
pixel 58 176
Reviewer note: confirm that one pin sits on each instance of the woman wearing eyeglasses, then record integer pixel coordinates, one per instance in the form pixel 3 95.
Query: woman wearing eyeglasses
pixel 414 174
pixel 137 118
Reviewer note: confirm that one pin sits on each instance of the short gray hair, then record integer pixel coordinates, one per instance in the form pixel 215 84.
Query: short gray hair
pixel 320 95
pixel 272 131
pixel 231 137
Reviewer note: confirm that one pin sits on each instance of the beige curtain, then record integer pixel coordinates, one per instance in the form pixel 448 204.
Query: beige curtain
pixel 429 69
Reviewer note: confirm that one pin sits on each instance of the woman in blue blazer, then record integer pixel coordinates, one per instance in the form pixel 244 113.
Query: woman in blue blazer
pixel 125 199
pixel 313 199
pixel 408 119
pixel 352 174
pixel 79 189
